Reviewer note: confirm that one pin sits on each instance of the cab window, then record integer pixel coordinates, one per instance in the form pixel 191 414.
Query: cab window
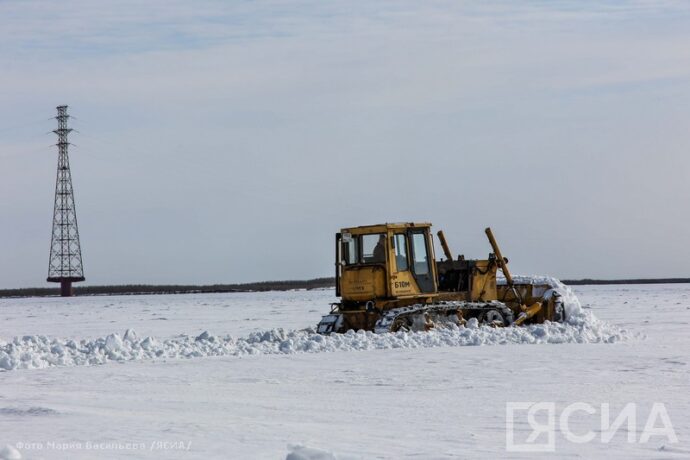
pixel 350 250
pixel 374 248
pixel 419 253
pixel 400 252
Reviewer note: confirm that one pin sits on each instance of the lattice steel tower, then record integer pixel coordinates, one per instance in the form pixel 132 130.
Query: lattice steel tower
pixel 65 266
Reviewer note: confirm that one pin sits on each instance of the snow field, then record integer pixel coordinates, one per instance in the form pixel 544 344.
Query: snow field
pixel 278 394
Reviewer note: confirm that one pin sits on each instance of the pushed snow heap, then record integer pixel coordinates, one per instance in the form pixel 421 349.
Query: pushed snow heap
pixel 37 351
pixel 570 301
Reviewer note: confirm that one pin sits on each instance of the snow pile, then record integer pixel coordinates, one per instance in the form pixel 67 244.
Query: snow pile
pixel 300 452
pixel 308 453
pixel 9 453
pixel 36 351
pixel 39 351
pixel 551 285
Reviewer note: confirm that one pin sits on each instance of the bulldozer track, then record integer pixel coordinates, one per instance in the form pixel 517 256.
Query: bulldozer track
pixel 480 310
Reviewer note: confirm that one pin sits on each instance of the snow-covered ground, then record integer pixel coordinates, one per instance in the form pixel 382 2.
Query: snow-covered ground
pixel 212 376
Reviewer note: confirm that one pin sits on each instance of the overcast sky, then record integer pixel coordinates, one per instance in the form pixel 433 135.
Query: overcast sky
pixel 228 141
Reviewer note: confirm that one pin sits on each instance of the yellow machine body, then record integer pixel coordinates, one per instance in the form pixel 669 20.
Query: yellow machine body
pixel 384 267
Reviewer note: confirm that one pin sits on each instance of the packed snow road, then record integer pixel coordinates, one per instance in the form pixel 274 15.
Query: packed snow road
pixel 252 391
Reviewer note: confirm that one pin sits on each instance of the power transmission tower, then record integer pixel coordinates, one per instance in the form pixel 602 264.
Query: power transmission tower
pixel 65 266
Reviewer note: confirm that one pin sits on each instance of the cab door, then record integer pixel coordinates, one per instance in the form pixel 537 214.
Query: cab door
pixel 421 260
pixel 402 281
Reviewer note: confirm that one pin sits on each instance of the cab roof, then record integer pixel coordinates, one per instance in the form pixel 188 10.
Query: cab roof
pixel 376 228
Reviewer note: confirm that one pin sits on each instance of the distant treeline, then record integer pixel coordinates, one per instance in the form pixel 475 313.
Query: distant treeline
pixel 317 283
pixel 138 289
pixel 631 281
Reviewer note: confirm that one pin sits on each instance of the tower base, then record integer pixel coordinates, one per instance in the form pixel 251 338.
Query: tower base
pixel 66 289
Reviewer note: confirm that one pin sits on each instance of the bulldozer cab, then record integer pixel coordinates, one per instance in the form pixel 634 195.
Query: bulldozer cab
pixel 387 261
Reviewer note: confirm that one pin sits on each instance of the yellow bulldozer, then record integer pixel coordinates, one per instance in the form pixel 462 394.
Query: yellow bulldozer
pixel 388 280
